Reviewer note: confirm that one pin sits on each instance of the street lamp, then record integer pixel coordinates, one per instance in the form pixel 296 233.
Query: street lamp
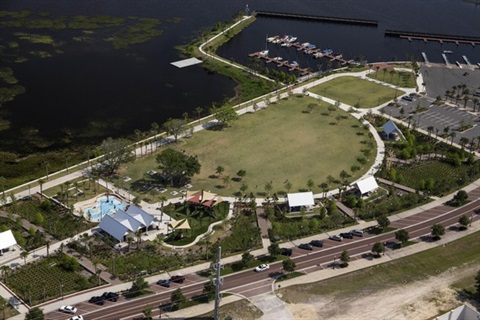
pixel 61 291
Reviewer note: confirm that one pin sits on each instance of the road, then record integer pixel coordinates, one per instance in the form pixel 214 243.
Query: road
pixel 249 283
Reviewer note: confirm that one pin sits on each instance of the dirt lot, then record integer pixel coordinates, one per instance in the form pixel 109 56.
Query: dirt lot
pixel 418 300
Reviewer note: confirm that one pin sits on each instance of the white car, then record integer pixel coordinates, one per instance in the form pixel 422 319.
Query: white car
pixel 68 309
pixel 76 318
pixel 262 267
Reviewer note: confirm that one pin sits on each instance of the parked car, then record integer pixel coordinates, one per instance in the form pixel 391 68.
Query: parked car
pixel 68 309
pixel 164 283
pixel 286 252
pixel 177 279
pixel 76 318
pixel 306 246
pixel 317 243
pixel 262 267
pixel 357 232
pixel 97 300
pixel 110 296
pixel 336 238
pixel 346 235
pixel 407 98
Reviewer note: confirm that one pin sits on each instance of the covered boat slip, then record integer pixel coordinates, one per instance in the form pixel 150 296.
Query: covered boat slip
pixel 186 63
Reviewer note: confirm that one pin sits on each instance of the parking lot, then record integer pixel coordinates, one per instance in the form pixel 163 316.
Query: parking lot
pixel 421 113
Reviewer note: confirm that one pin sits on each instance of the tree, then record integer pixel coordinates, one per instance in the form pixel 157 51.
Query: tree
pixel 310 184
pixel 241 174
pixel 138 286
pixel 24 255
pixel 402 236
pixel 3 307
pixel 383 221
pixel 477 283
pixel 345 258
pixel 288 265
pixel 437 231
pixel 247 258
pixel 274 249
pixel 178 297
pixel 460 198
pixel 177 165
pixel 115 152
pixel 209 290
pixel 147 313
pixel 175 127
pixel 378 248
pixel 464 222
pixel 224 115
pixel 219 170
pixel 35 314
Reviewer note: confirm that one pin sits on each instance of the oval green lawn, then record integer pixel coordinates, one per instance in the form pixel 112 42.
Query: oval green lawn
pixel 280 143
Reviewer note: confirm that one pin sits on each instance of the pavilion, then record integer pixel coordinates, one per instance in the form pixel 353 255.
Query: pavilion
pixel 366 186
pixel 7 240
pixel 300 199
pixel 122 223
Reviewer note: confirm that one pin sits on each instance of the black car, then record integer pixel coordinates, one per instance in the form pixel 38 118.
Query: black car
pixel 110 296
pixel 408 98
pixel 177 279
pixel 286 252
pixel 164 283
pixel 97 300
pixel 306 246
pixel 346 235
pixel 317 243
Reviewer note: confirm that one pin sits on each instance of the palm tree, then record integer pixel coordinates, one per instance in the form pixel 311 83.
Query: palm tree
pixel 310 184
pixel 463 141
pixel 430 130
pixel 2 184
pixel 24 255
pixel 453 134
pixel 154 130
pixel 324 187
pixel 199 111
pixel 41 182
pixel 268 188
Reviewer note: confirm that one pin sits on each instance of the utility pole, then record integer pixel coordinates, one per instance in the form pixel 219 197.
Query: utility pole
pixel 217 284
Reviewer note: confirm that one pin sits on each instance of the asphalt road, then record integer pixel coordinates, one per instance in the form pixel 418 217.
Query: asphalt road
pixel 250 283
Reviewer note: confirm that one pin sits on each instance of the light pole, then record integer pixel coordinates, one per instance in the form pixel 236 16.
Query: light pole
pixel 217 284
pixel 61 291
pixel 334 261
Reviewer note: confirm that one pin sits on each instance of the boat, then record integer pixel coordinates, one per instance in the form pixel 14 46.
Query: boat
pixel 277 59
pixel 294 64
pixel 311 47
pixel 292 39
pixel 318 55
pixel 263 53
pixel 327 51
pixel 447 51
pixel 271 39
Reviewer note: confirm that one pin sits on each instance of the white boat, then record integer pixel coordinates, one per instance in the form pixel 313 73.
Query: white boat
pixel 278 59
pixel 263 53
pixel 271 39
pixel 447 51
pixel 294 64
pixel 292 39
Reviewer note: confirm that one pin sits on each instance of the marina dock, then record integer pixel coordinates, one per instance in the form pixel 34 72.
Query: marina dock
pixel 444 56
pixel 364 22
pixel 426 37
pixel 424 55
pixel 467 62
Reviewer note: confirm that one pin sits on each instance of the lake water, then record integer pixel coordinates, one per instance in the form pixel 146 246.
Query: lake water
pixel 95 91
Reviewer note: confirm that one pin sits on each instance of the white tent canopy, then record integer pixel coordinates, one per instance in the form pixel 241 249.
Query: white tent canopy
pixel 367 185
pixel 301 199
pixel 7 240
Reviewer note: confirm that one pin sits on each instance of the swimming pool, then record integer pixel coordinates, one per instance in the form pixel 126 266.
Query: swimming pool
pixel 104 205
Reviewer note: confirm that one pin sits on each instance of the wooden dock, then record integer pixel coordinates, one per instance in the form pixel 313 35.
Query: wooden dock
pixel 364 22
pixel 426 37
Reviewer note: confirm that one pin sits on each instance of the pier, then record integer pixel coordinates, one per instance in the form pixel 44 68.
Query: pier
pixel 444 56
pixel 433 37
pixel 424 55
pixel 364 22
pixel 467 62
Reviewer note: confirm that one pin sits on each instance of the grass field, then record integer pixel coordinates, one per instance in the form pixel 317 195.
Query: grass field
pixel 459 254
pixel 403 79
pixel 282 143
pixel 356 92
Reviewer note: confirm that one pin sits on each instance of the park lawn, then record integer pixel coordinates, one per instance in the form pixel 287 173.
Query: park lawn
pixel 458 254
pixel 357 92
pixel 405 79
pixel 282 143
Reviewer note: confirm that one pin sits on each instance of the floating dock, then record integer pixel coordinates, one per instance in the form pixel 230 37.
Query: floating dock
pixel 444 56
pixel 467 61
pixel 364 22
pixel 433 37
pixel 424 55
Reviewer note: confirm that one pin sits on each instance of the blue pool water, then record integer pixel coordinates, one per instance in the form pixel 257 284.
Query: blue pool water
pixel 105 205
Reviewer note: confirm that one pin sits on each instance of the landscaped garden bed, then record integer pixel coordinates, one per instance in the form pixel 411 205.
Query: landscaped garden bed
pixel 49 278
